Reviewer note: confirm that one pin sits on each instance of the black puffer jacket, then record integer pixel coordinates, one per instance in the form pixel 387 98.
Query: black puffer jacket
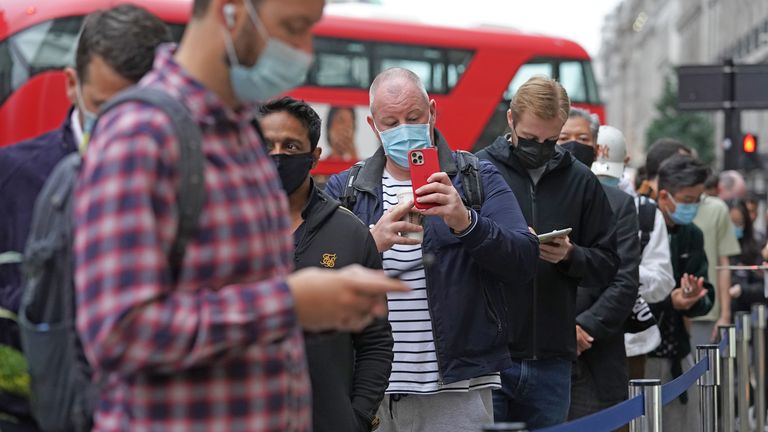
pixel 568 195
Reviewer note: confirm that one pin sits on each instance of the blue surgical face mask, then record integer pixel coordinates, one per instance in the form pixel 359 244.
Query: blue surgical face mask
pixel 684 213
pixel 89 120
pixel 399 140
pixel 280 67
pixel 610 181
pixel 739 231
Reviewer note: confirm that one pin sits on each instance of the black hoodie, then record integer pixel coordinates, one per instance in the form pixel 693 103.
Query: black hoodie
pixel 567 195
pixel 349 371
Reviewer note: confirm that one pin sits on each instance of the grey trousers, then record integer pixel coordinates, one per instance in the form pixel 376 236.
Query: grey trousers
pixel 441 412
pixel 676 416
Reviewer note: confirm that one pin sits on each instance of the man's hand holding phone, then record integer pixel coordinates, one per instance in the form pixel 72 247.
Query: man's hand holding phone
pixel 556 249
pixel 390 229
pixel 440 193
pixel 691 290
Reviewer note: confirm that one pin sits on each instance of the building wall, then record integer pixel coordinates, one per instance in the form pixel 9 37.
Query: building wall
pixel 643 40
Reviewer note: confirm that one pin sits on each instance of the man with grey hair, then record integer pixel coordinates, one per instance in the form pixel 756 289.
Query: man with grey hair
pixel 579 135
pixel 732 185
pixel 599 376
pixel 451 330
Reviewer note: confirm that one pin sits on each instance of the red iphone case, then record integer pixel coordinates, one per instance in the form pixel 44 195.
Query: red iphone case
pixel 422 163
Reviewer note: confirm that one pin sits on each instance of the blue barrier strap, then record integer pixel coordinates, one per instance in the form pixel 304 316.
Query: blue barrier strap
pixel 671 390
pixel 724 343
pixel 604 421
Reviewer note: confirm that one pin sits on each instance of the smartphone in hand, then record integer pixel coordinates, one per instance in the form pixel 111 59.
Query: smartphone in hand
pixel 422 164
pixel 548 237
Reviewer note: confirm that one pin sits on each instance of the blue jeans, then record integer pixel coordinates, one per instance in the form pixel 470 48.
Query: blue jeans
pixel 537 392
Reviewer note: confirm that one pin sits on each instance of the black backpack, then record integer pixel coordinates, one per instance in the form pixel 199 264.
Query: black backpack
pixel 63 393
pixel 641 317
pixel 469 170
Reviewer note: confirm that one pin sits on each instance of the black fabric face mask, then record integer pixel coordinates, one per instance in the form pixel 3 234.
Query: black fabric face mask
pixel 582 152
pixel 293 169
pixel 533 154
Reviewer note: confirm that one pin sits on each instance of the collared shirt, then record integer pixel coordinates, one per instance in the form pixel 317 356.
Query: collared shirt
pixel 77 130
pixel 221 350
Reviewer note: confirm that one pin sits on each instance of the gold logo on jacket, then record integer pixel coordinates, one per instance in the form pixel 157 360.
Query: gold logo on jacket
pixel 329 260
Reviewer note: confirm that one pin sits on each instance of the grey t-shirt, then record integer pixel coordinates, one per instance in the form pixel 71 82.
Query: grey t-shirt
pixel 536 173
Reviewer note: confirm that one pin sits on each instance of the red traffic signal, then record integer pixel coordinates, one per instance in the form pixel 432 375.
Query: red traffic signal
pixel 749 143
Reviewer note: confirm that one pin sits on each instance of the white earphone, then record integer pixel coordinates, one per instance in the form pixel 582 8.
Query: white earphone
pixel 229 14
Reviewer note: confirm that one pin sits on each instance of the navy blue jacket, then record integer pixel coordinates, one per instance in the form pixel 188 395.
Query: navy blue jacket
pixel 475 278
pixel 24 168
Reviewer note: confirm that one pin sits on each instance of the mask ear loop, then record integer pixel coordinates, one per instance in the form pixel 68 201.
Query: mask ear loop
pixel 256 20
pixel 229 47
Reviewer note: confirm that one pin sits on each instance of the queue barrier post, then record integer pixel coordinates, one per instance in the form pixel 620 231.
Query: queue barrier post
pixel 743 337
pixel 650 390
pixel 728 377
pixel 758 350
pixel 708 385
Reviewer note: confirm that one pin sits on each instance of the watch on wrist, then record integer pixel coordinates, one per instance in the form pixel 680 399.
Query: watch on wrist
pixel 470 218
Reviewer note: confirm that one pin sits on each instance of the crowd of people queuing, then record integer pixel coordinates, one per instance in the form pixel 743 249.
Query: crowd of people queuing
pixel 359 304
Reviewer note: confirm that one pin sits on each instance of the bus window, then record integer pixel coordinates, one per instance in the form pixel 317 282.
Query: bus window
pixel 594 95
pixel 354 64
pixel 425 62
pixel 340 63
pixel 439 69
pixel 575 76
pixel 571 76
pixel 49 45
pixel 526 72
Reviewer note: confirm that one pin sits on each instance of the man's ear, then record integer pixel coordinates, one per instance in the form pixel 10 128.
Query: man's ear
pixel 663 197
pixel 316 155
pixel 371 123
pixel 433 112
pixel 71 84
pixel 510 119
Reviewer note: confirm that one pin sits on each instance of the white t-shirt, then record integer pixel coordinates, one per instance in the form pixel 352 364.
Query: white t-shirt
pixel 415 369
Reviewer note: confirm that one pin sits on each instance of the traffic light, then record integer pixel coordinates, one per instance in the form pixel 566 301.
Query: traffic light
pixel 751 157
pixel 749 143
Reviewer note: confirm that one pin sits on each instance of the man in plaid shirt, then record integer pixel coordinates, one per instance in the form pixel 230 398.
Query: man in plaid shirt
pixel 221 349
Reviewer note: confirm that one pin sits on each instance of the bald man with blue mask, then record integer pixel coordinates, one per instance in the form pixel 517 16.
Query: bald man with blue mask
pixel 471 260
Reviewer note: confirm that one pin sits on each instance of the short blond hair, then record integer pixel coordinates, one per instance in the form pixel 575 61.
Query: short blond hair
pixel 543 97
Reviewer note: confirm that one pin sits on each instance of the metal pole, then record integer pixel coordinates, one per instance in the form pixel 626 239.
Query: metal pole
pixel 708 384
pixel 727 390
pixel 758 350
pixel 743 336
pixel 732 137
pixel 650 389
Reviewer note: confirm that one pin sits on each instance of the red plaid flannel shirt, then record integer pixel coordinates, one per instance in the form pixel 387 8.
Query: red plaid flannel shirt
pixel 222 349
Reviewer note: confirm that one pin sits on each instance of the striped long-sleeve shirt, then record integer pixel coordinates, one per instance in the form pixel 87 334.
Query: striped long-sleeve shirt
pixel 221 350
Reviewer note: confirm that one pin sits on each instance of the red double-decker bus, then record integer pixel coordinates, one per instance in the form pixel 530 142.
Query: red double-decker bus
pixel 471 72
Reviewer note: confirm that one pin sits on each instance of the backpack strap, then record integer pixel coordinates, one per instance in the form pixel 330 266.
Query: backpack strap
pixel 191 194
pixel 646 213
pixel 348 197
pixel 471 183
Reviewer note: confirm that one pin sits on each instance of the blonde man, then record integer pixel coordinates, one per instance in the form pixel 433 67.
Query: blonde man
pixel 554 192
